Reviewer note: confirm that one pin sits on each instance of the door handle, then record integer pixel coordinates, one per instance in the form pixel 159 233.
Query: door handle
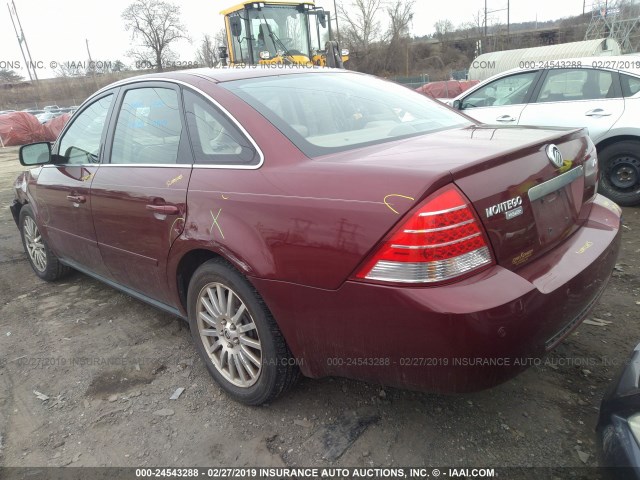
pixel 597 112
pixel 506 118
pixel 77 198
pixel 164 209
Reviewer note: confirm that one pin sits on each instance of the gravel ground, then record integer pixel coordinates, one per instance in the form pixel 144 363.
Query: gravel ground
pixel 86 374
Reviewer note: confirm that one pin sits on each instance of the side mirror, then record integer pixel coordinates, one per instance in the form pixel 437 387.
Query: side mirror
pixel 457 104
pixel 236 26
pixel 35 154
pixel 322 18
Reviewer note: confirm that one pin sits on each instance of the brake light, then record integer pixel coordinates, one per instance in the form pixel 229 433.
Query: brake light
pixel 442 240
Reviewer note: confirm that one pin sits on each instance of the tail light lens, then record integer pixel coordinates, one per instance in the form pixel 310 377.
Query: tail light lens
pixel 442 240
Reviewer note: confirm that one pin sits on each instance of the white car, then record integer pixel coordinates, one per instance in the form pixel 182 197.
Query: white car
pixel 600 93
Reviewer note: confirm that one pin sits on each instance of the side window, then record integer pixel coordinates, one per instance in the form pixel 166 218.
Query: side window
pixel 214 138
pixel 630 85
pixel 576 84
pixel 511 90
pixel 81 142
pixel 148 128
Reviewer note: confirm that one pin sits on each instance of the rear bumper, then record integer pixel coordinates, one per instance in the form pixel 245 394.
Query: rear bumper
pixel 466 336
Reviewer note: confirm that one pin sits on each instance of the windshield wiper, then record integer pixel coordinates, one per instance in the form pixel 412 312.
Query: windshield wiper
pixel 276 41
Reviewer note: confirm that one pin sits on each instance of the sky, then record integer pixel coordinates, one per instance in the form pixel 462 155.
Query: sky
pixel 57 31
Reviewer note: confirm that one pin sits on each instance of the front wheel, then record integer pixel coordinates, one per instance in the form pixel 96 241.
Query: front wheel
pixel 44 263
pixel 620 172
pixel 236 335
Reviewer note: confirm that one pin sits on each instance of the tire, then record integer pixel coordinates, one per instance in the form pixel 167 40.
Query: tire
pixel 43 262
pixel 620 172
pixel 242 346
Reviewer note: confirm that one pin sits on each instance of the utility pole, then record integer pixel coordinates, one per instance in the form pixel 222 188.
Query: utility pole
pixel 485 20
pixel 17 27
pixel 335 8
pixel 508 23
pixel 91 65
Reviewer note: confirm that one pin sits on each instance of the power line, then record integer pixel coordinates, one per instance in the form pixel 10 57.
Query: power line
pixel 26 54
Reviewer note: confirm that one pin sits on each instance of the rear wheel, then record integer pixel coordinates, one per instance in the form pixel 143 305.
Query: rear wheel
pixel 44 263
pixel 620 172
pixel 236 335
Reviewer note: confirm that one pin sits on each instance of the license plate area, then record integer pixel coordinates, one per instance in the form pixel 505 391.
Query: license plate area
pixel 556 205
pixel 553 215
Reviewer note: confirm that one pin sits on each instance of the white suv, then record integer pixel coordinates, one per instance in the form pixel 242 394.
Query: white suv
pixel 600 93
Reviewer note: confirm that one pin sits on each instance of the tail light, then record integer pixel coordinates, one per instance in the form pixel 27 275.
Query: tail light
pixel 442 240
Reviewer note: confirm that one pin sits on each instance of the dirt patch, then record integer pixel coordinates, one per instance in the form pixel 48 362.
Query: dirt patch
pixel 116 381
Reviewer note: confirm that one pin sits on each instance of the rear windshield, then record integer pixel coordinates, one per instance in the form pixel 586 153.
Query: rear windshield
pixel 326 113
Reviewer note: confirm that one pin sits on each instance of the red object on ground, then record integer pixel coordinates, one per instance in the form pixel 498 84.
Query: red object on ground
pixel 20 128
pixel 446 88
pixel 53 127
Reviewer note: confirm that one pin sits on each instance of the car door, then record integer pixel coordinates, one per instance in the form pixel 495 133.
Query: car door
pixel 139 195
pixel 576 97
pixel 501 101
pixel 63 192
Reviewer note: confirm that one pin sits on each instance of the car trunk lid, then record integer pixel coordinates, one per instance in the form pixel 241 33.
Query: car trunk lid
pixel 526 203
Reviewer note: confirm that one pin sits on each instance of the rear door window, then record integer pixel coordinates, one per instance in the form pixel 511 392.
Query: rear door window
pixel 149 127
pixel 630 85
pixel 577 84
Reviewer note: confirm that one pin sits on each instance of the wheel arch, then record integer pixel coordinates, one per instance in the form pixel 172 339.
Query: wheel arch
pixel 602 144
pixel 186 267
pixel 189 261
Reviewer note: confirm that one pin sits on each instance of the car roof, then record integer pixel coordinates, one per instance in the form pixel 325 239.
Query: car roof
pixel 227 74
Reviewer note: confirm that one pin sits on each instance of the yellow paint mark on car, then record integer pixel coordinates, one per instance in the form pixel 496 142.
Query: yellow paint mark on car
pixel 388 204
pixel 523 257
pixel 171 229
pixel 174 180
pixel 215 222
pixel 584 248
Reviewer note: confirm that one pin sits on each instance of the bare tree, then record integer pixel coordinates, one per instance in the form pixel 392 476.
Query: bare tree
pixel 398 49
pixel 444 29
pixel 71 69
pixel 361 26
pixel 156 24
pixel 208 53
pixel 400 16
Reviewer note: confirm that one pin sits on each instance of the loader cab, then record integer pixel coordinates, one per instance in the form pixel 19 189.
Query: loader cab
pixel 277 32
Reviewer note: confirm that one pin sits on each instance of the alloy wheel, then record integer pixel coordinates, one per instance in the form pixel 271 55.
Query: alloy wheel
pixel 35 245
pixel 229 334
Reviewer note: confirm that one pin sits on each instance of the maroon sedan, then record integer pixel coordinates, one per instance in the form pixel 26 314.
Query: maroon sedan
pixel 324 222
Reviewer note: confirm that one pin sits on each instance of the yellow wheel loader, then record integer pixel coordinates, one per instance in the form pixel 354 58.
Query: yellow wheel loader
pixel 280 32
